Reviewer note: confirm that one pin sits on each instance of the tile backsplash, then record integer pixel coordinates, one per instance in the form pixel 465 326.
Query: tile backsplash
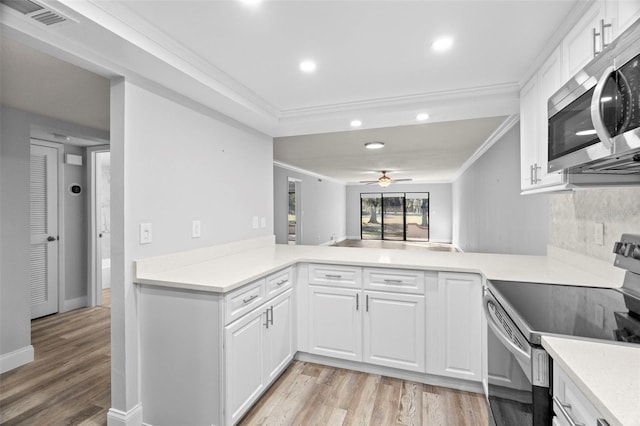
pixel 575 216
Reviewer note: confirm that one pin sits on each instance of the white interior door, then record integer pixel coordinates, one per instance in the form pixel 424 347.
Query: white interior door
pixel 43 259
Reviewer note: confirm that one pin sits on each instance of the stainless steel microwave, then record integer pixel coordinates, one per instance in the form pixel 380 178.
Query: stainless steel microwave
pixel 594 119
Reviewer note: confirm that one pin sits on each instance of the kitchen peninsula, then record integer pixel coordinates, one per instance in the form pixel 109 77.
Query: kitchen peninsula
pixel 219 324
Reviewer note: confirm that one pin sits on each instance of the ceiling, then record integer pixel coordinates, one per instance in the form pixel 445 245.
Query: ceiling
pixel 374 63
pixel 426 152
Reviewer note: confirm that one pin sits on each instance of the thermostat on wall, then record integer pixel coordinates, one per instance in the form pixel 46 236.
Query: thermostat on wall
pixel 75 189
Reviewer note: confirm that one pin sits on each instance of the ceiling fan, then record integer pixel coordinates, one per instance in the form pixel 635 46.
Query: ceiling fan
pixel 384 180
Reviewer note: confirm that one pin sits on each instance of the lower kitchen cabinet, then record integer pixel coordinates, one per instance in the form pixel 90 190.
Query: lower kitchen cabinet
pixel 257 348
pixel 394 330
pixel 379 328
pixel 454 326
pixel 335 322
pixel 245 353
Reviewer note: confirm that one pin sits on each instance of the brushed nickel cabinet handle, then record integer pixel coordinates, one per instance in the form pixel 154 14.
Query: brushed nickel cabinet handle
pixel 281 282
pixel 390 281
pixel 249 299
pixel 357 301
pixel 367 302
pixel 333 276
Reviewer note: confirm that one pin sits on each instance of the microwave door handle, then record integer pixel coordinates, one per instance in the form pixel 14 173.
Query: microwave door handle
pixel 521 355
pixel 596 116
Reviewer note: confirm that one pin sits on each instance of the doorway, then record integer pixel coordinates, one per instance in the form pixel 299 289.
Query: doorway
pixel 294 216
pixel 402 216
pixel 99 176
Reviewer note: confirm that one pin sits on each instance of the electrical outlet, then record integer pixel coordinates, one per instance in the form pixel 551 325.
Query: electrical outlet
pixel 599 316
pixel 195 229
pixel 145 233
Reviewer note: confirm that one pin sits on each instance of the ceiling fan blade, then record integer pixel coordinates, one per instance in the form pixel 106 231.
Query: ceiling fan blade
pixel 368 181
pixel 400 180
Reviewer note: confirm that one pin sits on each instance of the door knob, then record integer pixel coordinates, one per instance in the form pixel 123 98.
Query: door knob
pixel 50 238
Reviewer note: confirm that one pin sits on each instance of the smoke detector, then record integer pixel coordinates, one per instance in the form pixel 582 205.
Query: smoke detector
pixel 37 12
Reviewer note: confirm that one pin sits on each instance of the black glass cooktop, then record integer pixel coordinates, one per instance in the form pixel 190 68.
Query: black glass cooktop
pixel 598 313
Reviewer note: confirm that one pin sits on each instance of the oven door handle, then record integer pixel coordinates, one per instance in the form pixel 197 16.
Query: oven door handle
pixel 521 355
pixel 596 114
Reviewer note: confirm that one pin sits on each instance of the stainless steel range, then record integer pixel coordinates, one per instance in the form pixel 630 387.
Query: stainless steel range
pixel 518 314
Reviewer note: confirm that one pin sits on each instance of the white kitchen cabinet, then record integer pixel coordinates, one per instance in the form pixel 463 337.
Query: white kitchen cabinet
pixel 534 132
pixel 454 326
pixel 378 327
pixel 570 405
pixel 279 347
pixel 257 349
pixel 394 330
pixel 335 322
pixel 624 13
pixel 584 40
pixel 529 139
pixel 244 353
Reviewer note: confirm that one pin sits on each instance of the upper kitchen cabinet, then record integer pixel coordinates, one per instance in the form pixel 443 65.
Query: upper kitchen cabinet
pixel 598 27
pixel 587 38
pixel 533 124
pixel 626 12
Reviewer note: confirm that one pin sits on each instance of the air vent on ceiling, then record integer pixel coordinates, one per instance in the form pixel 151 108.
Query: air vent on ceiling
pixel 33 10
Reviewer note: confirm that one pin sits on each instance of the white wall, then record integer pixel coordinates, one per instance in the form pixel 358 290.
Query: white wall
pixel 439 207
pixel 173 162
pixel 489 214
pixel 323 205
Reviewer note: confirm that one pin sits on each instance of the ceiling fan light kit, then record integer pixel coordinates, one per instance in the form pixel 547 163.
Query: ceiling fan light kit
pixel 384 181
pixel 374 145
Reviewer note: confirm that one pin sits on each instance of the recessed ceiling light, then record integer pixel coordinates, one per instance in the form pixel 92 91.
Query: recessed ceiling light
pixel 356 123
pixel 251 2
pixel 442 44
pixel 374 145
pixel 307 66
pixel 422 116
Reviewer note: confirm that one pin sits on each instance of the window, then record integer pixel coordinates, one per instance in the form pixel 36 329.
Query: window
pixel 400 216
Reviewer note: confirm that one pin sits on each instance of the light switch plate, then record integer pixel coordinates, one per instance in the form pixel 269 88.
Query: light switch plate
pixel 195 229
pixel 256 222
pixel 598 234
pixel 263 222
pixel 145 233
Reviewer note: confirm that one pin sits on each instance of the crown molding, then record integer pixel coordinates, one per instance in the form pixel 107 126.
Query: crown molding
pixel 306 172
pixel 420 99
pixel 506 125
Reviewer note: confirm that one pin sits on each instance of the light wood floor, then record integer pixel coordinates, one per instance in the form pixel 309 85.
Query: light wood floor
pixel 69 384
pixel 311 394
pixel 398 245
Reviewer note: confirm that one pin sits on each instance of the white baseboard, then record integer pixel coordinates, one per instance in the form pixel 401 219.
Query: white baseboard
pixel 15 359
pixel 71 304
pixel 132 417
pixel 429 379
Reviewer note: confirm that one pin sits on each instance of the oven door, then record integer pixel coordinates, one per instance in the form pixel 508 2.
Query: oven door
pixel 515 396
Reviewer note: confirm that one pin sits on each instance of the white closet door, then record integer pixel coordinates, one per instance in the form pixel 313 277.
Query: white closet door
pixel 43 263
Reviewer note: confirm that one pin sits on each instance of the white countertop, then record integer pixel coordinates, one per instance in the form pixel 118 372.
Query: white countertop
pixel 224 272
pixel 608 375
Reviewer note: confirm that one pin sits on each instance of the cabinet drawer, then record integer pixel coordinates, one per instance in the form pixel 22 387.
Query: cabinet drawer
pixel 395 280
pixel 244 299
pixel 279 282
pixel 341 276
